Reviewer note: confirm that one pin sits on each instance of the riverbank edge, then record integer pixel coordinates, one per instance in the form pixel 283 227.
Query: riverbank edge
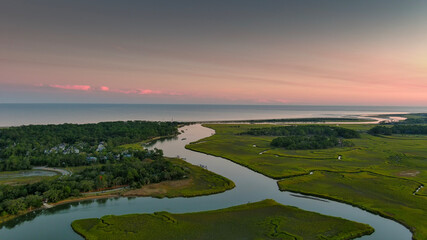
pixel 243 165
pixel 231 186
pixel 379 213
pixel 108 196
pixel 119 193
pixel 356 235
pixel 4 219
pixel 411 229
pixel 77 230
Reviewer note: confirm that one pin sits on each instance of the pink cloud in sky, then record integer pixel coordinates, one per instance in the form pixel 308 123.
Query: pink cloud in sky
pixel 139 91
pixel 147 91
pixel 72 87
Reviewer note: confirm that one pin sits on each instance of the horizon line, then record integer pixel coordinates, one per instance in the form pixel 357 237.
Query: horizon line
pixel 206 104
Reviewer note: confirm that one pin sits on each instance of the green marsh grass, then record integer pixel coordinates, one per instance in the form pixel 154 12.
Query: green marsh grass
pixel 397 162
pixel 388 196
pixel 262 220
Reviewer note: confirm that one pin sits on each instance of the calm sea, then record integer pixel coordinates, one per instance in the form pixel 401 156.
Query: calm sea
pixel 24 114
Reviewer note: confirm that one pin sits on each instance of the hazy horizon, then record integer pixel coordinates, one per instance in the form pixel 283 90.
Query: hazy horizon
pixel 201 104
pixel 308 52
pixel 51 113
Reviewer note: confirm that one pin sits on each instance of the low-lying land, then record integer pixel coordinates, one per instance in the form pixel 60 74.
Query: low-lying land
pixel 105 159
pixel 301 120
pixel 303 137
pixel 389 196
pixel 399 129
pixel 197 181
pixel 397 161
pixel 388 155
pixel 262 220
pixel 412 118
pixel 25 177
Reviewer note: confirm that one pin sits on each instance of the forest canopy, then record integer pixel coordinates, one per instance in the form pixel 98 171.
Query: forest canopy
pixel 307 136
pixel 398 129
pixel 144 168
pixel 74 144
pixel 304 130
pixel 309 142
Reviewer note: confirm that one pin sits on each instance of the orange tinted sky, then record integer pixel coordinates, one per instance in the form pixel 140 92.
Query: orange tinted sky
pixel 367 52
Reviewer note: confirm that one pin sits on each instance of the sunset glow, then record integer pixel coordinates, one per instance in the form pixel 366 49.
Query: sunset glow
pixel 72 87
pixel 278 52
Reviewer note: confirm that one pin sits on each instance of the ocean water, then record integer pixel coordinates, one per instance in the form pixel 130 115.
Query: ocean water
pixel 24 114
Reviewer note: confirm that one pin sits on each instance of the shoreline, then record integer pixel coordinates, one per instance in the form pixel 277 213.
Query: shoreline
pixel 370 119
pixel 308 194
pixel 52 205
pixel 411 229
pixel 321 196
pixel 120 192
pixel 376 212
pixel 109 196
pixel 375 117
pixel 102 196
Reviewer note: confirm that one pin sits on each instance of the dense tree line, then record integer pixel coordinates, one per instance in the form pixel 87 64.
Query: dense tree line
pixel 307 120
pixel 307 136
pixel 304 130
pixel 135 172
pixel 398 129
pixel 72 144
pixel 309 142
pixel 420 118
pixel 414 121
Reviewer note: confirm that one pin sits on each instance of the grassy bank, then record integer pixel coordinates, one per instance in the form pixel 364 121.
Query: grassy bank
pixel 139 146
pixel 397 155
pixel 262 220
pixel 200 182
pixel 396 164
pixel 388 196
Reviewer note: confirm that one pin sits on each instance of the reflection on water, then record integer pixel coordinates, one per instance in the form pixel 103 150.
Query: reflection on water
pixel 250 187
pixel 51 211
pixel 160 140
pixel 30 173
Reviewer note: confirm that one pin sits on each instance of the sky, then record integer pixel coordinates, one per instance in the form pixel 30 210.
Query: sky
pixel 296 52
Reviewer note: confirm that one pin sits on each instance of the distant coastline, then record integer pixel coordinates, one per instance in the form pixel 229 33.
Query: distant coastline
pixel 25 114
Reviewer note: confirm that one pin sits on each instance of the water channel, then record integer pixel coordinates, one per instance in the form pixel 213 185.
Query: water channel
pixel 54 223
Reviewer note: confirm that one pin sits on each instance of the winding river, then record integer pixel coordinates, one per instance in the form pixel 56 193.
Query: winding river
pixel 54 223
